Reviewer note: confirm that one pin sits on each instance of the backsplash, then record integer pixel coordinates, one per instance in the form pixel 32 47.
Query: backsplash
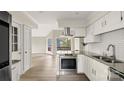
pixel 116 38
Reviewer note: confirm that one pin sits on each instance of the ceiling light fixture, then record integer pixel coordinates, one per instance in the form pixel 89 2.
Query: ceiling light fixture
pixel 77 13
pixel 41 11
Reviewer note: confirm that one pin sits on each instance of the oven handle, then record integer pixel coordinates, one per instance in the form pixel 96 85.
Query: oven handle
pixel 117 72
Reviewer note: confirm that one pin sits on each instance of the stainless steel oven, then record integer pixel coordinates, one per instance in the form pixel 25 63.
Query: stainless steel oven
pixel 5 26
pixel 115 75
pixel 68 63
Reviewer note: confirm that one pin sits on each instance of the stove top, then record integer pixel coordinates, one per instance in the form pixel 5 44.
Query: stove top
pixel 68 54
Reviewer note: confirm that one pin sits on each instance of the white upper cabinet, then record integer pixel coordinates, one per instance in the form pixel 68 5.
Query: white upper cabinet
pixel 90 37
pixel 122 18
pixel 78 44
pixel 111 21
pixel 99 26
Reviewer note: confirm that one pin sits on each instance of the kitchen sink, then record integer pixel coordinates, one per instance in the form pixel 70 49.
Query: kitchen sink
pixel 108 60
pixel 98 57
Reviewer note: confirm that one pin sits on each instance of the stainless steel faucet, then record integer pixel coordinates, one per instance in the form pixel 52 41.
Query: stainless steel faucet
pixel 114 54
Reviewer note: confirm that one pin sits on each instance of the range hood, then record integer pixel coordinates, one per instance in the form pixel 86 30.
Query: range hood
pixel 67 31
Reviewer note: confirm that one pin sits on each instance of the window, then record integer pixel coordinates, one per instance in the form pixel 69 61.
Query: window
pixel 63 44
pixel 49 45
pixel 14 39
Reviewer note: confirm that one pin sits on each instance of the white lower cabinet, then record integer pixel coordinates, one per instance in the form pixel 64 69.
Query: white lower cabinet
pixel 80 63
pixel 15 71
pixel 95 70
pixel 85 65
pixel 102 72
pixel 92 70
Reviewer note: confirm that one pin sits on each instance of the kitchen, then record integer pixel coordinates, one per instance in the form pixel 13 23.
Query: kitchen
pixel 88 44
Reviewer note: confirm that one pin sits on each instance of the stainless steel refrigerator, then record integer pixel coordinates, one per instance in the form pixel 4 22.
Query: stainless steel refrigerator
pixel 5 27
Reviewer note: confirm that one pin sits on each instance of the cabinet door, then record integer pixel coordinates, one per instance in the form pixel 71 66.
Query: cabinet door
pixel 101 72
pixel 98 27
pixel 15 72
pixel 113 20
pixel 77 44
pixel 88 33
pixel 89 37
pixel 86 66
pixel 93 69
pixel 90 68
pixel 122 19
pixel 80 63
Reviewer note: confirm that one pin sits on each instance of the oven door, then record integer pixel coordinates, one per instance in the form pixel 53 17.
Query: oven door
pixel 68 64
pixel 115 75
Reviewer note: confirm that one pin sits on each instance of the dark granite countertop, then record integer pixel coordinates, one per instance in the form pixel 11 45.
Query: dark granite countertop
pixel 117 66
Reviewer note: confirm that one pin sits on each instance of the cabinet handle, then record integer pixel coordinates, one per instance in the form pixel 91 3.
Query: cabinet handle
pixel 105 22
pixel 92 71
pixel 108 77
pixel 102 24
pixel 95 72
pixel 13 68
pixel 121 16
pixel 25 52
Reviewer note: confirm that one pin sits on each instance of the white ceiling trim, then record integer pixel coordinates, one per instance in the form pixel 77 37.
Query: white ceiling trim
pixel 26 13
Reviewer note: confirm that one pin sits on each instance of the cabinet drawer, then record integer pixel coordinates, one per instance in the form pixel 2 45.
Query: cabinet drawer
pixel 15 72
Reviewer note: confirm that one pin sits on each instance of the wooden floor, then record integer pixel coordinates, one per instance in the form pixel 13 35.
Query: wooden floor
pixel 44 69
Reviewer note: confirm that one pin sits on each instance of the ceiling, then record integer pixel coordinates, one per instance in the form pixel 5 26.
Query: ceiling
pixel 50 20
pixel 48 17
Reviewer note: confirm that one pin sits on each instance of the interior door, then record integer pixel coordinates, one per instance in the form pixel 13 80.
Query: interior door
pixel 27 48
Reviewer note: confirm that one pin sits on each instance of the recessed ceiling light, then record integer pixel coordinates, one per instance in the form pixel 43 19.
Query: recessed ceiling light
pixel 41 11
pixel 77 13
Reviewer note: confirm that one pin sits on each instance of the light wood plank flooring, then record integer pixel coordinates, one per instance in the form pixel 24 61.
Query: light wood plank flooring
pixel 44 69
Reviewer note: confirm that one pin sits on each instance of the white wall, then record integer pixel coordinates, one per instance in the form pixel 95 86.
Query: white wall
pixel 116 38
pixel 38 45
pixel 43 30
